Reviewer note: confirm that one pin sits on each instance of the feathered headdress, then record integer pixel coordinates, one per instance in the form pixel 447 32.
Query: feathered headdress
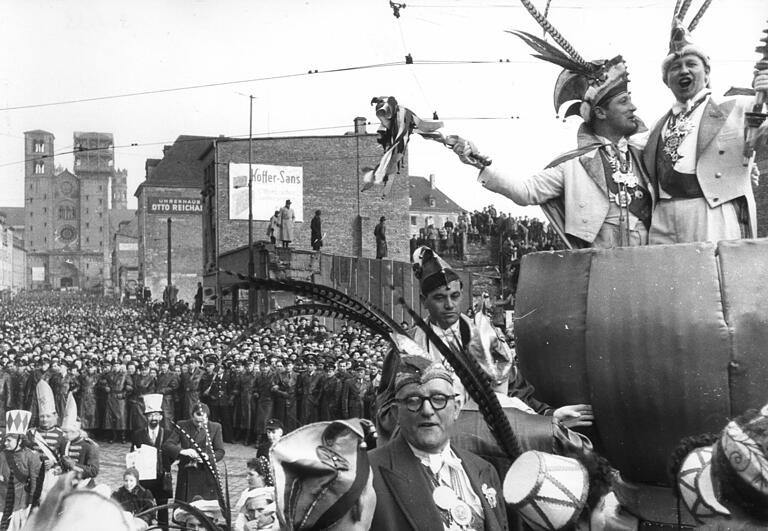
pixel 585 83
pixel 680 41
pixel 588 83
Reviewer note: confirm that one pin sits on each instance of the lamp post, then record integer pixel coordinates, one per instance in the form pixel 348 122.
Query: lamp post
pixel 169 263
pixel 251 265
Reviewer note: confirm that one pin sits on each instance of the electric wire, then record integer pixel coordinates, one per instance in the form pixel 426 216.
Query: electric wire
pixel 253 80
pixel 242 137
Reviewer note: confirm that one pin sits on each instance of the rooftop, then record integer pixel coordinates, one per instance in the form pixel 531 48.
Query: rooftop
pixel 421 193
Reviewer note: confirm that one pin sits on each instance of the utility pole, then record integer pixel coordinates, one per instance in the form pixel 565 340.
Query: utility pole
pixel 169 263
pixel 251 265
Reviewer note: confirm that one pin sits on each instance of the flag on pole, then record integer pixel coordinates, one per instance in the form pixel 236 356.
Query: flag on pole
pixel 397 124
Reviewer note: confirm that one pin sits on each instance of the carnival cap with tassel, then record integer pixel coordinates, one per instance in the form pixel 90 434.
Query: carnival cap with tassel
pixel 548 491
pixel 71 421
pixel 431 270
pixel 321 474
pixel 680 44
pixel 46 404
pixel 17 421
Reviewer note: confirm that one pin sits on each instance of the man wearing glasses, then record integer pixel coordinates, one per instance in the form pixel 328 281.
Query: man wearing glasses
pixel 421 482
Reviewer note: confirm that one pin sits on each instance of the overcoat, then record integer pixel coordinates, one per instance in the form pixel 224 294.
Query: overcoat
pixel 194 480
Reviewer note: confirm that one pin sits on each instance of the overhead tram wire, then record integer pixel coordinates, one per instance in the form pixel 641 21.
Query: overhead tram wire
pixel 256 80
pixel 242 136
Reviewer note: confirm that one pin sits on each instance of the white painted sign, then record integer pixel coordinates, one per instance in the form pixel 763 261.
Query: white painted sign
pixel 128 246
pixel 38 274
pixel 272 186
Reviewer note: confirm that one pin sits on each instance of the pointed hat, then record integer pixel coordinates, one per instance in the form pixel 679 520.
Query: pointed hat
pixel 71 420
pixel 45 401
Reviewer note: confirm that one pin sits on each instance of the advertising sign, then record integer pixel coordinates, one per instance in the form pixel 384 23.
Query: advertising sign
pixel 174 205
pixel 38 274
pixel 272 186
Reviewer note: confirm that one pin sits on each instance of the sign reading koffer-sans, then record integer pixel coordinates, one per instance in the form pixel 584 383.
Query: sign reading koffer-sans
pixel 174 205
pixel 272 186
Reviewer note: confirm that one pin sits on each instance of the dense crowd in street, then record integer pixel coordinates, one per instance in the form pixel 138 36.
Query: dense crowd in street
pixel 109 356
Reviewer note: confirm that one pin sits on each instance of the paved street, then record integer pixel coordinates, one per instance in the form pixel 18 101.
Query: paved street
pixel 113 464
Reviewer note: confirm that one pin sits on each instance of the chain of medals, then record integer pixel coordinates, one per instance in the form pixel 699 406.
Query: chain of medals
pixel 623 174
pixel 678 127
pixel 454 511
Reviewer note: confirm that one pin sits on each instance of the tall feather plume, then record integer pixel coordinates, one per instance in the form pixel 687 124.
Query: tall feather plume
pixel 699 14
pixel 323 294
pixel 549 28
pixel 478 384
pixel 319 310
pixel 680 13
pixel 549 53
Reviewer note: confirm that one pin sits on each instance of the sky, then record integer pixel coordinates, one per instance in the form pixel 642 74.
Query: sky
pixel 116 66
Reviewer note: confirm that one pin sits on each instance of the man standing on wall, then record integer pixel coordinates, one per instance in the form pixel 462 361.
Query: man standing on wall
pixel 287 218
pixel 381 238
pixel 317 232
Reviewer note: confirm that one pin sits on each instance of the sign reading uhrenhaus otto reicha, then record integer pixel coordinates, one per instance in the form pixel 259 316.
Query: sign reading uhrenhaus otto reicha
pixel 174 205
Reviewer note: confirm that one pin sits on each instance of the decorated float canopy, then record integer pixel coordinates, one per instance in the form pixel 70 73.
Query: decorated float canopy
pixel 664 341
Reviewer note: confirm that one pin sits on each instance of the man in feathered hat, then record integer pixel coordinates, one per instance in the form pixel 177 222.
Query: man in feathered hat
pixel 19 473
pixel 597 195
pixel 694 154
pixel 422 482
pixel 155 435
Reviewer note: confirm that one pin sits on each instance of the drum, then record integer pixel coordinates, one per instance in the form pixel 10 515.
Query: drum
pixel 664 341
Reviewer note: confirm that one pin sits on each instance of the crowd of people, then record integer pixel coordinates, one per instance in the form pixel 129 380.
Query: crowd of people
pixel 520 234
pixel 109 356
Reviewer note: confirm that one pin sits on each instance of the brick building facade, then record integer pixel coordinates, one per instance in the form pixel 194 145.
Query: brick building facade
pixel 332 168
pixel 171 190
pixel 67 229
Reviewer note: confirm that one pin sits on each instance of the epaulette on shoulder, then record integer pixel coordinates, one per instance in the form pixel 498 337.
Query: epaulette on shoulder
pixel 91 441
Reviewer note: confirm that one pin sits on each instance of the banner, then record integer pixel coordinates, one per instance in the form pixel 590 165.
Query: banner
pixel 174 205
pixel 272 186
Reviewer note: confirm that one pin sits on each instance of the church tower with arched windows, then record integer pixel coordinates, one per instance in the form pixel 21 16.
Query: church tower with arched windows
pixel 67 217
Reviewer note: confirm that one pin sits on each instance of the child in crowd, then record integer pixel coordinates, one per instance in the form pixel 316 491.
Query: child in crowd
pixel 132 497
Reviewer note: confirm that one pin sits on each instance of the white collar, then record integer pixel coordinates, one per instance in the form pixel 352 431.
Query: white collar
pixel 679 107
pixel 453 330
pixel 435 461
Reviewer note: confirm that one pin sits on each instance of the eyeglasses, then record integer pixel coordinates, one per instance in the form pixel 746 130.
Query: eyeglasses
pixel 416 402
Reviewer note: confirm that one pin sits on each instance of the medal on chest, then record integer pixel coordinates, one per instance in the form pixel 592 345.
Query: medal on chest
pixel 678 131
pixel 447 500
